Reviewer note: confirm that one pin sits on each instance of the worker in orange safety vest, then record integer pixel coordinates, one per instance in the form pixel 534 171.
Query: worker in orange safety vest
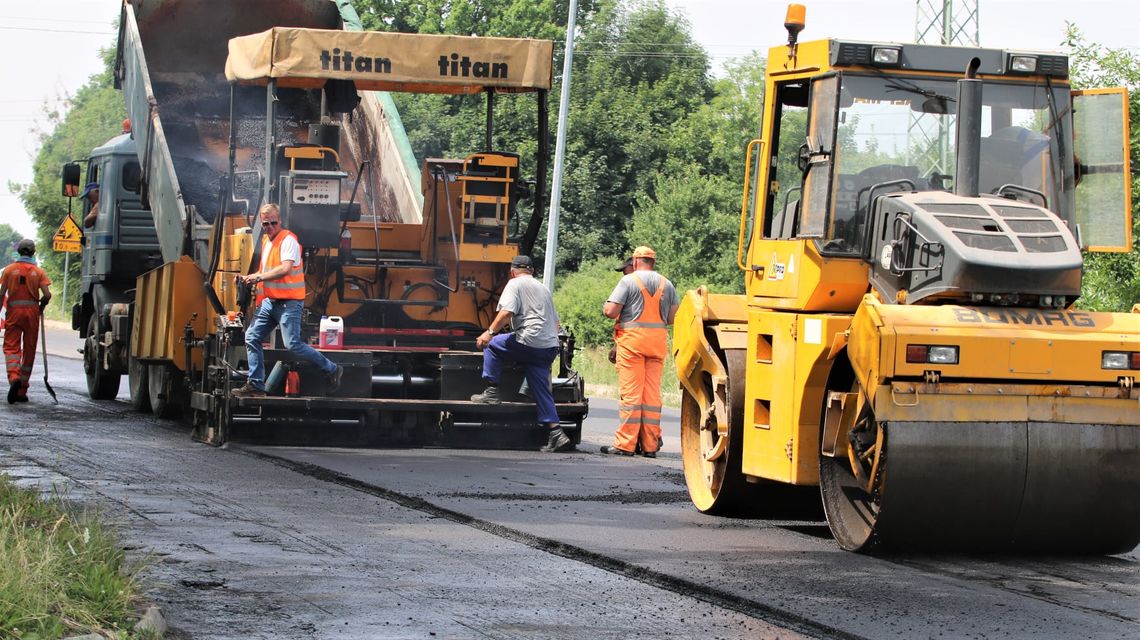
pixel 644 304
pixel 24 287
pixel 282 278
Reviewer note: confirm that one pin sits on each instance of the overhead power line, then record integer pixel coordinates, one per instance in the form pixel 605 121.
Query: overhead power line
pixel 55 20
pixel 108 32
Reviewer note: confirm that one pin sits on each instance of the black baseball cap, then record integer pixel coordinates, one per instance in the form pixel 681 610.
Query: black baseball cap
pixel 522 262
pixel 628 264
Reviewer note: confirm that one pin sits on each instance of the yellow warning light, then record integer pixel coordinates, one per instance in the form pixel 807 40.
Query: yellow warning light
pixel 794 22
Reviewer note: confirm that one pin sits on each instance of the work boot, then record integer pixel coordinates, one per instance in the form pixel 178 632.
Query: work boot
pixel 559 441
pixel 333 379
pixel 13 392
pixel 490 395
pixel 248 391
pixel 607 449
pixel 653 454
pixel 22 395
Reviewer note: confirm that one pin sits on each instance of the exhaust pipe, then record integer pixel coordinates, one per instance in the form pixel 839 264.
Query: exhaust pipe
pixel 969 135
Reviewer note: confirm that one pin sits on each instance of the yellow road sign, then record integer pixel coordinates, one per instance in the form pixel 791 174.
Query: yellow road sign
pixel 68 237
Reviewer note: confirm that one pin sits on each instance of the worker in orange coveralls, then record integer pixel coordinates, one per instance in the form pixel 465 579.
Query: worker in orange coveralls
pixel 24 285
pixel 644 304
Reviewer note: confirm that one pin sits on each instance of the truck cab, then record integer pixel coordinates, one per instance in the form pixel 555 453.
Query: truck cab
pixel 117 248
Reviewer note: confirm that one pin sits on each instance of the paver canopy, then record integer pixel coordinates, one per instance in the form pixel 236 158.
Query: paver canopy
pixel 382 61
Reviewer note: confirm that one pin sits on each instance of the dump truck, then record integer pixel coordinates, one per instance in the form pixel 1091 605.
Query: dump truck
pixel 234 105
pixel 911 240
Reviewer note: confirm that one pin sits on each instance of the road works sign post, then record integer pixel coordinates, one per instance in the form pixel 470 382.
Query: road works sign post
pixel 68 238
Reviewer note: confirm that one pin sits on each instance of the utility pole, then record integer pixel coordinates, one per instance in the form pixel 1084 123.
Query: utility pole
pixel 944 22
pixel 559 153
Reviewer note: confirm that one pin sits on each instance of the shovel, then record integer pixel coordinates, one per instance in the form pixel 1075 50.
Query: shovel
pixel 43 345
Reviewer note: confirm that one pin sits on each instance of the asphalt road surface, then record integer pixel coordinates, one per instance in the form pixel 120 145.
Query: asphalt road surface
pixel 280 542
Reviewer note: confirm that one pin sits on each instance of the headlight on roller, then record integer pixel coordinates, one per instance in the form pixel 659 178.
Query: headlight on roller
pixel 943 355
pixel 885 56
pixel 1120 360
pixel 1022 64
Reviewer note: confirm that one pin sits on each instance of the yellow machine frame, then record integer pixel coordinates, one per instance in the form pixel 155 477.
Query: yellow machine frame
pixel 813 334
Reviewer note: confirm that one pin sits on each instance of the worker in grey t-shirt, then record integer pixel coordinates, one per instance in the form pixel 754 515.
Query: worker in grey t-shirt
pixel 527 306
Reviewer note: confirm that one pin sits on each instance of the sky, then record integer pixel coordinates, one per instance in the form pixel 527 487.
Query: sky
pixel 50 49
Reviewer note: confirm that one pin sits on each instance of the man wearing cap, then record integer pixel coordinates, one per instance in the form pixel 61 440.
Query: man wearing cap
pixel 625 268
pixel 24 285
pixel 643 303
pixel 527 306
pixel 91 193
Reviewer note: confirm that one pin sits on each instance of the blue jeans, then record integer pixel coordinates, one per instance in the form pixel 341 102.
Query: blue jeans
pixel 287 315
pixel 504 348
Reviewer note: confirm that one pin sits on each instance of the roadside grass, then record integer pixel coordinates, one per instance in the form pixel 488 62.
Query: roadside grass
pixel 601 376
pixel 62 572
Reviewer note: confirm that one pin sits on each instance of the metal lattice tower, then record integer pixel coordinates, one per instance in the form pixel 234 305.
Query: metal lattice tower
pixel 947 22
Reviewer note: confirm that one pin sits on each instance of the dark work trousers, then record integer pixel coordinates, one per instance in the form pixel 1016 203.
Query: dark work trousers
pixel 505 348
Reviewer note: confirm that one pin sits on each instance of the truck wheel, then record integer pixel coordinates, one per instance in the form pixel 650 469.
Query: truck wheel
pixel 137 382
pixel 100 384
pixel 712 462
pixel 164 385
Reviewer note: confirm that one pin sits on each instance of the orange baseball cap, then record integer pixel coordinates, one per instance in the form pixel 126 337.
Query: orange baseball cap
pixel 644 252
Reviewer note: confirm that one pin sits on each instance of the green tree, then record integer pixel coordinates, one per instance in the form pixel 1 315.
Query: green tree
pixel 693 221
pixel 692 217
pixel 579 300
pixel 93 115
pixel 8 239
pixel 1112 281
pixel 641 75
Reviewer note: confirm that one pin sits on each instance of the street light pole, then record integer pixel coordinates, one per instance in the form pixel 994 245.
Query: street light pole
pixel 559 153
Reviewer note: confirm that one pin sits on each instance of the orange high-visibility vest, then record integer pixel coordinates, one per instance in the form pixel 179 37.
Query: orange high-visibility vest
pixel 648 334
pixel 291 286
pixel 23 280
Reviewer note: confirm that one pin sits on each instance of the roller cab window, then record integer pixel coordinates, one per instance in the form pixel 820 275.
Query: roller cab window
pixel 896 133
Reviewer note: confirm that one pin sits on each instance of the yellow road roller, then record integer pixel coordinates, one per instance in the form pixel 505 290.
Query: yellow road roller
pixel 912 236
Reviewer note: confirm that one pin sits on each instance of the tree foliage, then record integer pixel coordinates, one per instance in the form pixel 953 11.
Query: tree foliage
pixel 640 77
pixel 580 297
pixel 1112 281
pixel 94 115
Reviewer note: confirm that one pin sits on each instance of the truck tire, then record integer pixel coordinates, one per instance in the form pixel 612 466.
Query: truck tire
pixel 100 384
pixel 137 383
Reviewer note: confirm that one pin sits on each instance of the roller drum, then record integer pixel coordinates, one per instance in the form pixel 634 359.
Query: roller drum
pixel 996 486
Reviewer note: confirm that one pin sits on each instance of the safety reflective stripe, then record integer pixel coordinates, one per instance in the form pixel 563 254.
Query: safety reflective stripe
pixel 289 285
pixel 22 303
pixel 642 325
pixel 647 335
pixel 640 407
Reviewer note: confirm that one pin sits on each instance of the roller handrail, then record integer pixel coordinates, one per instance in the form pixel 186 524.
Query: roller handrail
pixel 744 201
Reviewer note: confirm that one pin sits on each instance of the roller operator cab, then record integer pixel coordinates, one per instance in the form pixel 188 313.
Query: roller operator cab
pixel 911 241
